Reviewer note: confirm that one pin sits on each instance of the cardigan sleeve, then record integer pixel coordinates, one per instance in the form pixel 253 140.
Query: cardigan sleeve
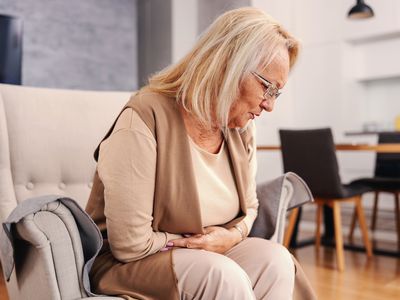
pixel 251 195
pixel 127 168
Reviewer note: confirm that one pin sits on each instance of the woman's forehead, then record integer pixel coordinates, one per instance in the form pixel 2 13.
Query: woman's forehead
pixel 278 69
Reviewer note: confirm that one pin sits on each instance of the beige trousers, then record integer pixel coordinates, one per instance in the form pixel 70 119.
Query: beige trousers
pixel 253 269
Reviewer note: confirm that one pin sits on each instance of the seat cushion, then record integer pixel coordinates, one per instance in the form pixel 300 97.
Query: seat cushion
pixel 380 183
pixel 354 189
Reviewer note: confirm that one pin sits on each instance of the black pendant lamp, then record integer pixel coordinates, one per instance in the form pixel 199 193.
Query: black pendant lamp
pixel 360 11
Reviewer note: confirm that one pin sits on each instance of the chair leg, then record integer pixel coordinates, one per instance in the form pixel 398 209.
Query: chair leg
pixel 397 214
pixel 353 224
pixel 338 235
pixel 363 226
pixel 318 227
pixel 374 211
pixel 290 227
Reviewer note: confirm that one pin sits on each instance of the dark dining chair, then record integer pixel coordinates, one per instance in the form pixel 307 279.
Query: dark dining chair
pixel 386 179
pixel 312 155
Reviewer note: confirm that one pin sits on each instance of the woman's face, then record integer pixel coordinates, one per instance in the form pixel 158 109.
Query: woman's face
pixel 251 101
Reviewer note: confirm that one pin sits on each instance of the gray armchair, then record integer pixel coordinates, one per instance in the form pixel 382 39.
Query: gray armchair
pixel 47 138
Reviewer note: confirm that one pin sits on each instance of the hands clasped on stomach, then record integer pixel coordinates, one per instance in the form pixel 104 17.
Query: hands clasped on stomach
pixel 216 239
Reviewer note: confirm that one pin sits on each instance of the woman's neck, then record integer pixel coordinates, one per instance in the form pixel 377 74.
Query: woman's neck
pixel 208 138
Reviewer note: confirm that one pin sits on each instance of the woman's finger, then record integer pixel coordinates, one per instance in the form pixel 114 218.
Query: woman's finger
pixel 192 242
pixel 178 242
pixel 183 242
pixel 165 249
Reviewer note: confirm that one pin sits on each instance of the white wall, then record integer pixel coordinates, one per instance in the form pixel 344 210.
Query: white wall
pixel 348 74
pixel 345 68
pixel 184 27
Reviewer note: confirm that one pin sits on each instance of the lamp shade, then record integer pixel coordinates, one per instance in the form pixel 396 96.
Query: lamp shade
pixel 10 49
pixel 360 11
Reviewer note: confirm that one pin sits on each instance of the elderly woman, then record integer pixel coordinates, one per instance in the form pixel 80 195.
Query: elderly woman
pixel 174 194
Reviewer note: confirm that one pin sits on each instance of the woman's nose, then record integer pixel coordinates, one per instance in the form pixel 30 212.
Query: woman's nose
pixel 268 104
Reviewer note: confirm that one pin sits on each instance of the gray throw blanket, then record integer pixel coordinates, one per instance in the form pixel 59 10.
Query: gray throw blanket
pixel 275 198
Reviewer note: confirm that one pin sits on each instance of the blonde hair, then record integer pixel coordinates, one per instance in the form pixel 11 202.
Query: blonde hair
pixel 207 80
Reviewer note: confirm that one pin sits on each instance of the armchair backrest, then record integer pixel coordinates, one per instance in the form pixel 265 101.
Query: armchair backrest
pixel 47 140
pixel 311 154
pixel 388 164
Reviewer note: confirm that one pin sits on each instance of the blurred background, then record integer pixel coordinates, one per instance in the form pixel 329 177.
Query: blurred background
pixel 347 77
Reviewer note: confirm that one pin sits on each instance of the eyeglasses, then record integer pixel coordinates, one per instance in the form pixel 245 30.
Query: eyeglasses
pixel 270 89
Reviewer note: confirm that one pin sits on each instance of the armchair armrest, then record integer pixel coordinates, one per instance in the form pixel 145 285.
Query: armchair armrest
pixel 275 198
pixel 48 245
pixel 48 253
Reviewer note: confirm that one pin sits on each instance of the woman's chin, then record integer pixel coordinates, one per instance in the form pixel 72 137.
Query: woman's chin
pixel 239 123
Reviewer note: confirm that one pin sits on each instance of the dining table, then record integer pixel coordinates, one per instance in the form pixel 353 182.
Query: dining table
pixel 379 148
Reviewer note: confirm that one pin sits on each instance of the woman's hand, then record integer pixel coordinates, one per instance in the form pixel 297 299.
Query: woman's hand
pixel 216 239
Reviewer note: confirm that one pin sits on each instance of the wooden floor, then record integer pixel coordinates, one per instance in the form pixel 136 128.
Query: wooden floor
pixel 364 279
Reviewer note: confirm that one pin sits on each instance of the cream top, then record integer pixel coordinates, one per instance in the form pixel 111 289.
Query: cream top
pixel 215 184
pixel 127 168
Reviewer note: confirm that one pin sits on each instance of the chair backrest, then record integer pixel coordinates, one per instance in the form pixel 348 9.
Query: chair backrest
pixel 388 164
pixel 47 140
pixel 311 154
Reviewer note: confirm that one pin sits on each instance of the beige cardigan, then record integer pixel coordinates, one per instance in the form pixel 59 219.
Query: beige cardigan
pixel 127 166
pixel 176 207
